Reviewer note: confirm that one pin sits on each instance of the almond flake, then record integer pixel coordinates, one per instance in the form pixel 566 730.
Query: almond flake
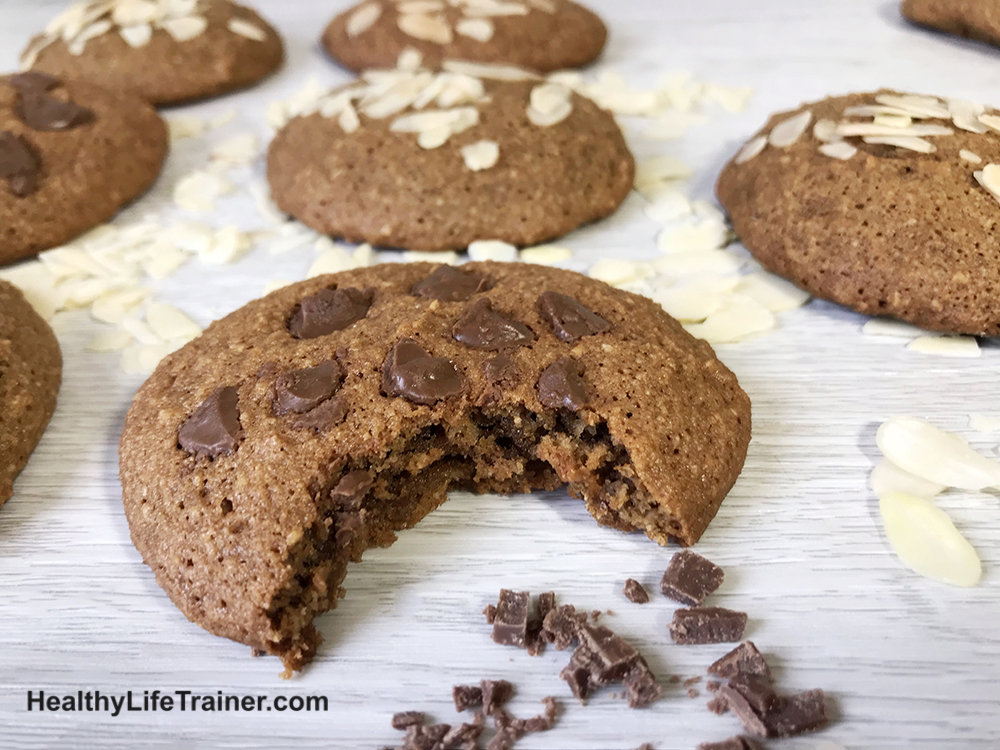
pixel 420 6
pixel 989 178
pixel 947 346
pixel 548 6
pixel 826 131
pixel 787 132
pixel 488 71
pixel 199 190
pixel 363 19
pixel 236 151
pixel 492 250
pixel 653 173
pixel 841 150
pixel 970 156
pixel 905 142
pixel 677 265
pixel 229 244
pixel 185 126
pixel 694 236
pixel 333 260
pixel 891 329
pixel 169 323
pixel 546 255
pixel 894 121
pixel 549 104
pixel 409 59
pixel 481 155
pixel 751 149
pixel 496 8
pixel 990 121
pixel 246 29
pixel 417 256
pixel 618 271
pixel 93 31
pixel 969 123
pixel 428 28
pixel 349 120
pixel 110 341
pixel 480 29
pixel 140 330
pixel 136 36
pixel 114 307
pixel 918 447
pixel 916 106
pixel 185 29
pixel 668 205
pixel 887 477
pixel 434 137
pixel 773 292
pixel 848 129
pixel 223 119
pixel 134 12
pixel 689 303
pixel 738 318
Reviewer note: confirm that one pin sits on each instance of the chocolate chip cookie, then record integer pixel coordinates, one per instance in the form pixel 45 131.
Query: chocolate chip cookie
pixel 884 202
pixel 540 35
pixel 435 161
pixel 265 455
pixel 71 155
pixel 30 373
pixel 166 51
pixel 975 19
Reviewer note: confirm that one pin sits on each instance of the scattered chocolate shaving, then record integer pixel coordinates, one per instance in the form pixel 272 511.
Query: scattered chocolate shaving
pixel 467 696
pixel 595 614
pixel 19 164
pixel 482 327
pixel 510 729
pixel 404 719
pixel 409 371
pixel 712 687
pixel 214 427
pixel 494 693
pixel 690 578
pixel 674 679
pixel 39 111
pixel 707 625
pixel 570 320
pixel 301 391
pixel 744 659
pixel 634 592
pixel 561 385
pixel 510 625
pixel 462 737
pixel 733 743
pixel 500 369
pixel 692 693
pixel 328 414
pixel 640 686
pixel 449 284
pixel 329 310
pixel 692 681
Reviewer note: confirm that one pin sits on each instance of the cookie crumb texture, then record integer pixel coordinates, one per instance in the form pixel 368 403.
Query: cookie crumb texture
pixel 30 374
pixel 974 19
pixel 250 525
pixel 883 228
pixel 71 155
pixel 190 49
pixel 539 35
pixel 380 186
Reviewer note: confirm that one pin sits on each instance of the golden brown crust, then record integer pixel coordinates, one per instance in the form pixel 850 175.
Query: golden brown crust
pixel 974 19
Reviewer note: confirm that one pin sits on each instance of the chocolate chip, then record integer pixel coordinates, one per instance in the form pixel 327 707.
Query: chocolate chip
pixel 797 714
pixel 707 625
pixel 510 626
pixel 690 578
pixel 744 659
pixel 347 527
pixel 449 284
pixel 641 686
pixel 500 370
pixel 300 391
pixel 40 111
pixel 328 414
pixel 467 696
pixel 329 310
pixel 409 371
pixel 19 164
pixel 351 489
pixel 405 719
pixel 561 385
pixel 634 592
pixel 482 327
pixel 214 427
pixel 33 80
pixel 560 626
pixel 612 656
pixel 494 694
pixel 570 320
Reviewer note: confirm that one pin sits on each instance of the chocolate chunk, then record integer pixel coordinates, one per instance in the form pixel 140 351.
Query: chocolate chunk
pixel 32 80
pixel 545 721
pixel 797 714
pixel 561 385
pixel 757 691
pixel 300 391
pixel 570 320
pixel 494 693
pixel 634 592
pixel 712 687
pixel 612 656
pixel 329 310
pixel 328 414
pixel 692 693
pixel 449 284
pixel 214 427
pixel 482 327
pixel 19 164
pixel 577 674
pixel 690 578
pixel 40 111
pixel 718 705
pixel 744 659
pixel 734 701
pixel 412 373
pixel 348 528
pixel 707 625
pixel 536 624
pixel 692 681
pixel 500 370
pixel 425 738
pixel 733 743
pixel 510 627
pixel 467 696
pixel 462 737
pixel 405 719
pixel 491 613
pixel 641 686
pixel 560 626
pixel 351 489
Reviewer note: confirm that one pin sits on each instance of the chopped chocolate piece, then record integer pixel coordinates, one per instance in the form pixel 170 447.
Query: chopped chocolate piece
pixel 491 613
pixel 462 737
pixel 32 80
pixel 718 705
pixel 347 527
pixel 409 371
pixel 707 625
pixel 570 320
pixel 300 391
pixel 546 603
pixel 712 687
pixel 561 624
pixel 744 659
pixel 674 679
pixel 734 701
pixel 634 592
pixel 482 327
pixel 691 681
pixel 561 385
pixel 504 739
pixel 329 310
pixel 757 691
pixel 214 427
pixel 692 693
pixel 350 490
pixel 545 721
pixel 404 719
pixel 494 693
pixel 328 414
pixel 613 656
pixel 467 696
pixel 797 714
pixel 510 626
pixel 39 111
pixel 425 738
pixel 449 284
pixel 19 164
pixel 733 743
pixel 690 578
pixel 536 625
pixel 577 674
pixel 595 614
pixel 641 686
pixel 500 369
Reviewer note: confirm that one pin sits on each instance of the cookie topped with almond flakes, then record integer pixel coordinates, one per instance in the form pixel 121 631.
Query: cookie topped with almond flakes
pixel 887 203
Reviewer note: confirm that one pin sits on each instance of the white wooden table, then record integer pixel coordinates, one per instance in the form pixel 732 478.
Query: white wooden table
pixel 909 663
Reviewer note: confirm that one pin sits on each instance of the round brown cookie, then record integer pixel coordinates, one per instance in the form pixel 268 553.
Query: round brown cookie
pixel 71 155
pixel 439 178
pixel 873 201
pixel 167 51
pixel 30 373
pixel 318 421
pixel 975 19
pixel 540 35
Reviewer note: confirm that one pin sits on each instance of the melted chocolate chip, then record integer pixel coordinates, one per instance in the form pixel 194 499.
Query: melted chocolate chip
pixel 409 371
pixel 481 327
pixel 19 164
pixel 329 310
pixel 351 489
pixel 570 320
pixel 40 111
pixel 214 428
pixel 303 390
pixel 33 80
pixel 500 369
pixel 561 385
pixel 328 414
pixel 448 284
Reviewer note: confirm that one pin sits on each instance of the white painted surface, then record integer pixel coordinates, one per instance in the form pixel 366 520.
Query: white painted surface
pixel 909 663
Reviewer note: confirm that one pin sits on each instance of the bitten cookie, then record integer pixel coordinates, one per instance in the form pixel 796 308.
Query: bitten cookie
pixel 540 35
pixel 30 374
pixel 71 155
pixel 435 161
pixel 883 202
pixel 975 19
pixel 166 51
pixel 318 421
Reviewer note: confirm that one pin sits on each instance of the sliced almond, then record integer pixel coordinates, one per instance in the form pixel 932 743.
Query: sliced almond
pixel 915 445
pixel 244 28
pixel 185 29
pixel 481 155
pixel 841 150
pixel 887 477
pixel 752 148
pixel 546 255
pixel 947 346
pixel 905 142
pixel 363 19
pixel 480 29
pixel 738 318
pixel 428 28
pixel 136 36
pixel 492 250
pixel 169 323
pixel 787 132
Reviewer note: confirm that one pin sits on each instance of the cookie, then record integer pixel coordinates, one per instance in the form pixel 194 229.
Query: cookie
pixel 166 51
pixel 539 35
pixel 974 19
pixel 71 155
pixel 435 161
pixel 883 202
pixel 318 421
pixel 30 373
